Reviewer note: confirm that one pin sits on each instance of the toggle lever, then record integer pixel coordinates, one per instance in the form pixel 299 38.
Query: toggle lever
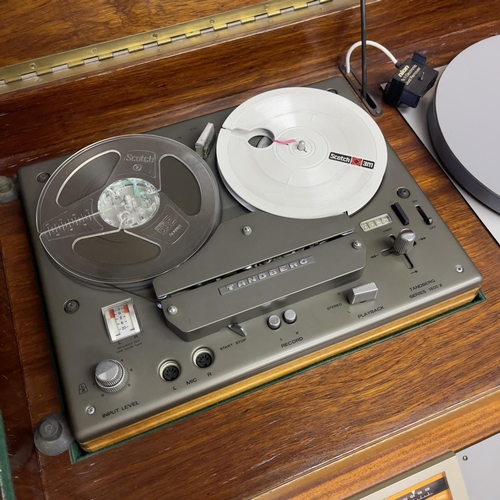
pixel 236 328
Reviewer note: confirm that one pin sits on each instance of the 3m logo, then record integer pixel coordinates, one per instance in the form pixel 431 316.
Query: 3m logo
pixel 352 160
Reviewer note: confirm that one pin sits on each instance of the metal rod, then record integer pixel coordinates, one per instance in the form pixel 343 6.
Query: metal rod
pixel 364 84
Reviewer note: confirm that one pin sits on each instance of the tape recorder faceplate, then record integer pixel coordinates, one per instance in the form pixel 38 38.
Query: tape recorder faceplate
pixel 171 283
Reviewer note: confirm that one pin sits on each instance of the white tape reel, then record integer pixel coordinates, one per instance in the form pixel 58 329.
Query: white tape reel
pixel 320 154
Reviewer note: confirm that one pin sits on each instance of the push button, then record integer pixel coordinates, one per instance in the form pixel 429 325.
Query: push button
pixel 398 210
pixel 363 293
pixel 290 316
pixel 274 322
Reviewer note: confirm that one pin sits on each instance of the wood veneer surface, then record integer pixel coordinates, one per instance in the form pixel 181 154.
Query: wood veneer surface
pixel 142 96
pixel 358 412
pixel 14 406
pixel 38 28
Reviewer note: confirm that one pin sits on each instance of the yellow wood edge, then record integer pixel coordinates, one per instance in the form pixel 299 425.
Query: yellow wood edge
pixel 278 372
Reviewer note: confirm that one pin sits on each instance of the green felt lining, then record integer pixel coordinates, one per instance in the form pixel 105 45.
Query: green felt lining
pixel 6 486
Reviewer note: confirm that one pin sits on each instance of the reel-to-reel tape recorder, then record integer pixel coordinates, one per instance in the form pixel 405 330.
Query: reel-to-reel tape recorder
pixel 172 283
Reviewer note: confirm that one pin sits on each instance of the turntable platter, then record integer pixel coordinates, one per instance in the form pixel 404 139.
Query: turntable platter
pixel 463 120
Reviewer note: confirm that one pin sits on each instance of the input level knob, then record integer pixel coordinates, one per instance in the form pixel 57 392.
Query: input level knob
pixel 111 376
pixel 404 241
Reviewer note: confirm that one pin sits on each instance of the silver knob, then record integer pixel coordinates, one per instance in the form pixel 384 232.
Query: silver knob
pixel 111 376
pixel 404 241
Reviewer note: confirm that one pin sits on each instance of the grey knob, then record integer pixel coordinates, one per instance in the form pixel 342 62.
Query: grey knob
pixel 404 241
pixel 111 376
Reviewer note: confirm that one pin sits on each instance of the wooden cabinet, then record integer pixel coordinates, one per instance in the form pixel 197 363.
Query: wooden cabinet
pixel 329 432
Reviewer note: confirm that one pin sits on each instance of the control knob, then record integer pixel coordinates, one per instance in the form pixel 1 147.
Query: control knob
pixel 404 241
pixel 111 376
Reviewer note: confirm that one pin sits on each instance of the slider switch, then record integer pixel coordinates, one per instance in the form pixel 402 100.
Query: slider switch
pixel 428 220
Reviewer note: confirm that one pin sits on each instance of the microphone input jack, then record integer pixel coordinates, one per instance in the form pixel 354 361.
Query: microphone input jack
pixel 169 370
pixel 203 357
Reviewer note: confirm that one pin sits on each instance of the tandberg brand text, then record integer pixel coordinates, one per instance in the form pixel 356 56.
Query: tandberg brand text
pixel 265 275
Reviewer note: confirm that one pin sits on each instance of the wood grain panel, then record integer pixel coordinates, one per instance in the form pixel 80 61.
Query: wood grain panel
pixel 453 430
pixel 163 90
pixel 40 28
pixel 13 404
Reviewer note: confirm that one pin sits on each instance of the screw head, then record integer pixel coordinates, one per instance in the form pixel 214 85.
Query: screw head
pixel 459 269
pixel 90 410
pixel 71 306
pixel 357 245
pixel 247 230
pixel 172 310
pixel 43 177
